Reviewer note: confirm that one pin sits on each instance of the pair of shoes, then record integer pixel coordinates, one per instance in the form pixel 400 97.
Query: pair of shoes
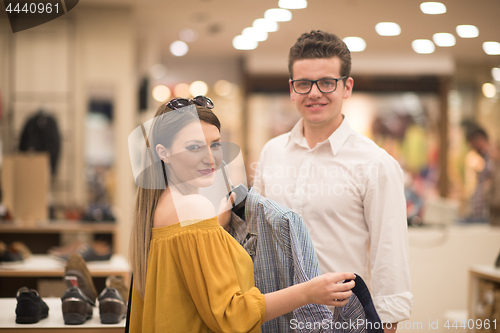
pixel 96 251
pixel 80 297
pixel 16 251
pixel 30 307
pixel 113 300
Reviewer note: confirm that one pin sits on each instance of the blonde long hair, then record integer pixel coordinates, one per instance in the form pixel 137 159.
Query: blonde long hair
pixel 147 198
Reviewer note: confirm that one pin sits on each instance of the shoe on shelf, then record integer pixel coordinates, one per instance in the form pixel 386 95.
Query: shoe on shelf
pixel 76 266
pixel 112 303
pixel 76 307
pixel 30 307
pixel 95 251
pixel 117 282
pixel 6 256
pixel 20 249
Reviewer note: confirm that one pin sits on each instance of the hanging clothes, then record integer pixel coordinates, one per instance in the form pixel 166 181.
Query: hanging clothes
pixel 41 133
pixel 283 255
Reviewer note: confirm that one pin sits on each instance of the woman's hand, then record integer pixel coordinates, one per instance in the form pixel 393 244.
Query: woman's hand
pixel 224 212
pixel 325 289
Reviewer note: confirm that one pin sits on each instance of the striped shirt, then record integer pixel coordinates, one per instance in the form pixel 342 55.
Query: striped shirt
pixel 283 255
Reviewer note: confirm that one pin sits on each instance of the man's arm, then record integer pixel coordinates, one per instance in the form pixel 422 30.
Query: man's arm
pixel 385 215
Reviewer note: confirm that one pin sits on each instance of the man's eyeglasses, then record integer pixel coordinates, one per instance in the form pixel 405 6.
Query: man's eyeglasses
pixel 178 103
pixel 326 85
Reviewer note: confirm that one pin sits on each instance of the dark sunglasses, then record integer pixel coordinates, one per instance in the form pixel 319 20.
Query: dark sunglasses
pixel 178 103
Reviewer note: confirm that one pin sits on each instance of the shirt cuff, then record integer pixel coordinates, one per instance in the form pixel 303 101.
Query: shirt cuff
pixel 394 308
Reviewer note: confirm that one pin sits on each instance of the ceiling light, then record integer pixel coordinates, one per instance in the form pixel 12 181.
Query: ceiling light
pixel 423 46
pixel 161 93
pixel 355 44
pixel 432 8
pixel 254 34
pixel 489 90
pixel 444 39
pixel 467 31
pixel 388 29
pixel 491 48
pixel 265 25
pixel 179 48
pixel 181 90
pixel 198 88
pixel 244 43
pixel 495 72
pixel 188 35
pixel 292 4
pixel 278 14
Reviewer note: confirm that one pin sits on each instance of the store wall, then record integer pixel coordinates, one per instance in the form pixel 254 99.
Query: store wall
pixel 104 54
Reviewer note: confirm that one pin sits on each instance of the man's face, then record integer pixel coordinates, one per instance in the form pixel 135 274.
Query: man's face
pixel 317 108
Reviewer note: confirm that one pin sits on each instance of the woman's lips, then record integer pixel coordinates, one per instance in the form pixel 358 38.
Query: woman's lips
pixel 206 172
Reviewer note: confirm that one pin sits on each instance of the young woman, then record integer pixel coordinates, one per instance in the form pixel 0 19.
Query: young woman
pixel 190 275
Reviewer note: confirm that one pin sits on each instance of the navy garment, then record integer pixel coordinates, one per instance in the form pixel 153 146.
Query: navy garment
pixel 373 323
pixel 40 133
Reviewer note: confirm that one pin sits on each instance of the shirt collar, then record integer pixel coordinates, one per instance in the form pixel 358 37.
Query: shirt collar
pixel 337 139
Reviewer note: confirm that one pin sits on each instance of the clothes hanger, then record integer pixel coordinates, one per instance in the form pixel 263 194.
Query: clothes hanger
pixel 240 190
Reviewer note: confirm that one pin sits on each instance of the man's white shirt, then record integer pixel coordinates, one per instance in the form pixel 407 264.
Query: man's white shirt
pixel 350 194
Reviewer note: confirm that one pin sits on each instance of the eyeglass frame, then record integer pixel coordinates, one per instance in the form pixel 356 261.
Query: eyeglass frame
pixel 195 100
pixel 317 86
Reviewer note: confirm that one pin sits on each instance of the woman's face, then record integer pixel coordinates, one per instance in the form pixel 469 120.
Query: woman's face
pixel 195 155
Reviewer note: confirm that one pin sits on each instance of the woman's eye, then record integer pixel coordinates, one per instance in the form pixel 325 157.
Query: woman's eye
pixel 216 145
pixel 193 147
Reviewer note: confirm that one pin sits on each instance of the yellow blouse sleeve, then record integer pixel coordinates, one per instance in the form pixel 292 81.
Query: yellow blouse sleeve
pixel 218 275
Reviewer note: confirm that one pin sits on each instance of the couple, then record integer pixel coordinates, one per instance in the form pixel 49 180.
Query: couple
pixel 191 275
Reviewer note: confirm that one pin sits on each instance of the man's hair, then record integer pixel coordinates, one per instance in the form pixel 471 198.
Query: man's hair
pixel 319 44
pixel 474 132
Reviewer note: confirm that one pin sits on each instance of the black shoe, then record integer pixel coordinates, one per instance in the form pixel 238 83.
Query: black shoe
pixel 30 306
pixel 112 308
pixel 76 306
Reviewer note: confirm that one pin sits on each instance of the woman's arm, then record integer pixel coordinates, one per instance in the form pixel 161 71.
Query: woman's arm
pixel 323 289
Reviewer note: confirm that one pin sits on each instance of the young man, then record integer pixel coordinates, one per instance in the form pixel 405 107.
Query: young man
pixel 348 190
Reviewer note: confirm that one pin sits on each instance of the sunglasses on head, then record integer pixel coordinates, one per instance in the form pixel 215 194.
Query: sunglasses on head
pixel 178 103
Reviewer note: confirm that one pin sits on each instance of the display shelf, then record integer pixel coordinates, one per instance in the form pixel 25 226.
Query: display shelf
pixel 59 226
pixel 40 265
pixel 476 274
pixel 54 322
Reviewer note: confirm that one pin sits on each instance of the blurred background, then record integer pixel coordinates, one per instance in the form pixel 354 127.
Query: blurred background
pixel 425 75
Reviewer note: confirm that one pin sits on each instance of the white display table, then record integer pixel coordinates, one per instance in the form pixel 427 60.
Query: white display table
pixel 54 322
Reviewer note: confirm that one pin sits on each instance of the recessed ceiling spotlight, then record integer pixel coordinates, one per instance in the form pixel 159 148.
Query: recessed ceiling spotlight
pixel 265 25
pixel 161 93
pixel 432 8
pixel 491 48
pixel 278 15
pixel 444 39
pixel 495 72
pixel 255 34
pixel 179 48
pixel 198 88
pixel 355 44
pixel 388 29
pixel 423 46
pixel 244 43
pixel 489 90
pixel 467 31
pixel 292 4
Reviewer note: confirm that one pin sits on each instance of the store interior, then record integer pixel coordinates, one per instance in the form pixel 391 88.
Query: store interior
pixel 103 68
